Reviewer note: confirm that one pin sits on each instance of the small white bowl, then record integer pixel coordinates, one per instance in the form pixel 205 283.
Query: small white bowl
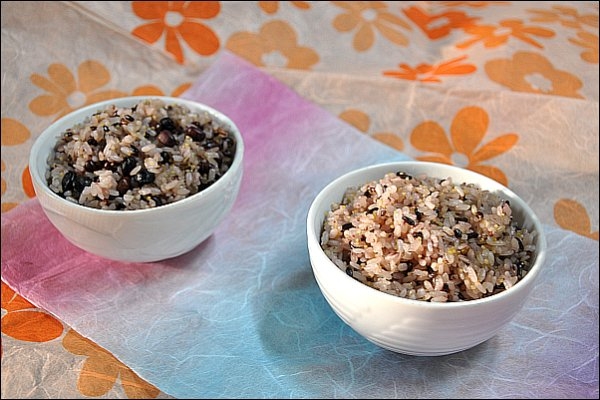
pixel 144 235
pixel 418 327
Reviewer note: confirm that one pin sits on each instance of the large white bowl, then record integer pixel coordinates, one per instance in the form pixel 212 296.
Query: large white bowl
pixel 418 327
pixel 137 235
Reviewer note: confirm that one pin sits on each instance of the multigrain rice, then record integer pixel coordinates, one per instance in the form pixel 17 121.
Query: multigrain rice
pixel 427 238
pixel 144 156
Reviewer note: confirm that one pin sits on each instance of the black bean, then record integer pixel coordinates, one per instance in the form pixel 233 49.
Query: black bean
pixel 347 226
pixel 167 123
pixel 81 182
pixel 67 181
pixel 105 128
pixel 520 268
pixel 346 255
pixel 109 165
pixel 349 271
pixel 91 165
pixel 457 233
pixel 409 220
pixel 195 133
pixel 166 157
pixel 123 185
pixel 228 146
pixel 157 201
pixel 143 177
pixel 403 175
pixel 209 144
pixel 166 138
pixel 92 142
pixel 129 163
pixel 203 167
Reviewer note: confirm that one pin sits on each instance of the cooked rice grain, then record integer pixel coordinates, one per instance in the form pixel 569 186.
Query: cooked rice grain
pixel 427 238
pixel 140 157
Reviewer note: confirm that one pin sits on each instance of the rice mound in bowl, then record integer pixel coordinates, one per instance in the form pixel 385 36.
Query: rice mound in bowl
pixel 425 238
pixel 141 156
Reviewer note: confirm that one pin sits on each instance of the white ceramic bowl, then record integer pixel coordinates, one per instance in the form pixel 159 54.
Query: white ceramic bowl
pixel 418 327
pixel 137 235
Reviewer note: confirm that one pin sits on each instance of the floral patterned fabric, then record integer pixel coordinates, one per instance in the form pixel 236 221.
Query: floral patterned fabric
pixel 507 89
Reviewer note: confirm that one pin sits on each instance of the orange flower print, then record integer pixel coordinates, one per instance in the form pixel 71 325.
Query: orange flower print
pixel 101 370
pixel 151 90
pixel 22 320
pixel 367 17
pixel 494 36
pixel 431 73
pixel 276 45
pixel 468 128
pixel 533 73
pixel 361 121
pixel 567 16
pixel 572 216
pixel 271 7
pixel 13 132
pixel 437 26
pixel 473 4
pixel 65 93
pixel 178 20
pixel 27 183
pixel 8 205
pixel 590 42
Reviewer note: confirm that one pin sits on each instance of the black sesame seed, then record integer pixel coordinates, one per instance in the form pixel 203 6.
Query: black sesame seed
pixel 418 214
pixel 462 219
pixel 409 220
pixel 105 128
pixel 457 233
pixel 92 142
pixel 472 235
pixel 521 247
pixel 347 226
pixel 349 271
pixel 129 118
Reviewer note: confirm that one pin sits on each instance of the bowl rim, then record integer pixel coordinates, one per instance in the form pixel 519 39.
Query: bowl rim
pixel 314 241
pixel 35 159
